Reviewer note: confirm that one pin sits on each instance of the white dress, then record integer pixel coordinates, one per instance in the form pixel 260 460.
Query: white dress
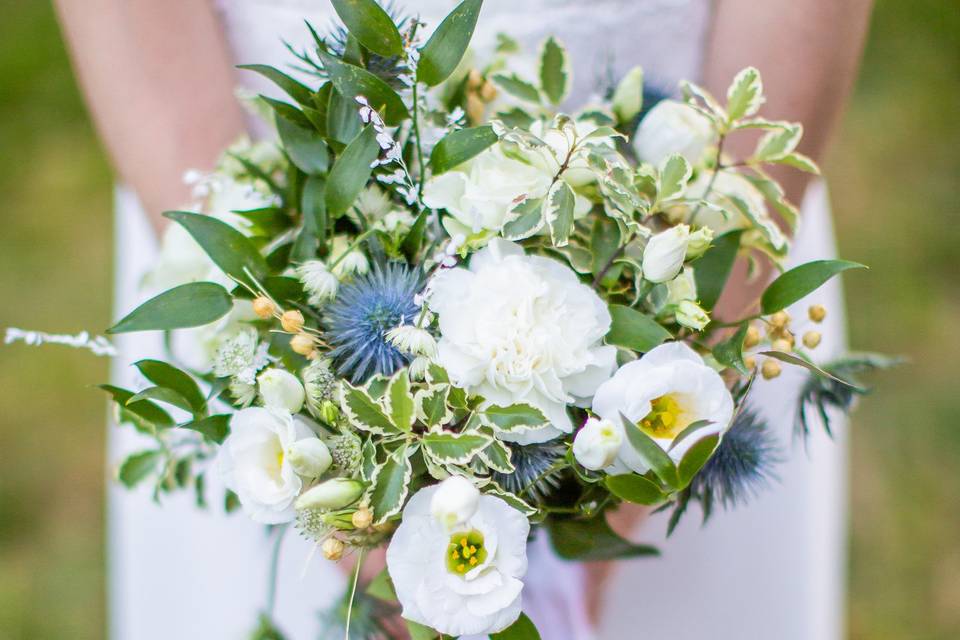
pixel 772 569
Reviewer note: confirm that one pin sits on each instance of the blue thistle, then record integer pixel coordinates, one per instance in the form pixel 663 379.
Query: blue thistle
pixel 358 319
pixel 531 463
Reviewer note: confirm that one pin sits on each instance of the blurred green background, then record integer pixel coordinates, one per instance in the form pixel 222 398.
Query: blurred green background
pixel 894 170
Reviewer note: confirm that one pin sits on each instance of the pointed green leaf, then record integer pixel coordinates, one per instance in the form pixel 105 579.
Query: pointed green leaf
pixel 293 88
pixel 400 401
pixel 713 268
pixel 351 171
pixel 522 629
pixel 592 540
pixel 352 81
pixel 800 281
pixel 794 359
pixel 306 147
pixel 364 412
pixel 558 212
pixel 512 84
pixel 445 48
pixel 138 466
pixel 729 352
pixel 432 406
pixel 166 375
pixel 390 485
pixel 745 94
pixel 454 448
pixel 497 456
pixel 143 410
pixel 633 330
pixel 371 25
pixel 628 97
pixel 695 457
pixel 635 488
pixel 554 71
pixel 651 453
pixel 161 394
pixel 514 417
pixel 189 305
pixel 675 172
pixel 228 248
pixel 777 143
pixel 459 146
pixel 215 427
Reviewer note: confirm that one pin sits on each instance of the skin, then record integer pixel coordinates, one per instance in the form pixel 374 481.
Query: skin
pixel 159 81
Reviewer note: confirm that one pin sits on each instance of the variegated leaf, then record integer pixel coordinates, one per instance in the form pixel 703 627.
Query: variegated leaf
pixel 516 417
pixel 399 401
pixel 431 405
pixel 745 94
pixel 558 212
pixel 363 412
pixel 454 448
pixel 391 482
pixel 497 456
pixel 675 172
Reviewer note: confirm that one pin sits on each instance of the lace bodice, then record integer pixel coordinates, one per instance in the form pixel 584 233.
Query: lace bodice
pixel 605 37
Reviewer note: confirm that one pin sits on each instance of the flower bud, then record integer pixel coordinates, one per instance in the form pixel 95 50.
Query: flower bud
pixel 318 282
pixel 353 263
pixel 455 501
pixel 699 242
pixel 332 549
pixel 770 369
pixel 264 307
pixel 817 312
pixel 302 343
pixel 690 315
pixel 335 493
pixel 664 254
pixel 346 451
pixel 683 287
pixel 280 389
pixel 672 127
pixel 752 338
pixel 329 412
pixel 362 518
pixel 292 321
pixel 418 368
pixel 597 443
pixel 309 457
pixel 811 339
pixel 320 385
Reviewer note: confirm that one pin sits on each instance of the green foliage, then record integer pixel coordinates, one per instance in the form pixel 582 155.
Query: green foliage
pixel 351 171
pixel 800 281
pixel 445 48
pixel 166 375
pixel 554 71
pixel 459 146
pixel 635 488
pixel 628 96
pixel 390 485
pixel 558 212
pixel 137 467
pixel 352 81
pixel 229 249
pixel 633 330
pixel 592 539
pixel 304 146
pixel 214 428
pixel 652 455
pixel 371 25
pixel 518 88
pixel 189 305
pixel 522 629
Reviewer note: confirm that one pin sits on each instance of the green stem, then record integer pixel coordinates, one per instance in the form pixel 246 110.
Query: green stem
pixel 606 267
pixel 713 177
pixel 353 594
pixel 416 138
pixel 274 565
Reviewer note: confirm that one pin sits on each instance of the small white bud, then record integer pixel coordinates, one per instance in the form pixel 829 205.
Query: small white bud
pixel 689 314
pixel 664 254
pixel 335 493
pixel 672 127
pixel 597 444
pixel 309 457
pixel 280 389
pixel 455 501
pixel 699 242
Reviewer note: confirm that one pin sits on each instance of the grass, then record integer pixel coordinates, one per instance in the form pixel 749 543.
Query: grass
pixel 893 173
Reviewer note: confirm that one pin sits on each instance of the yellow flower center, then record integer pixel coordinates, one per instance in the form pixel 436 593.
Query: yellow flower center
pixel 465 552
pixel 665 420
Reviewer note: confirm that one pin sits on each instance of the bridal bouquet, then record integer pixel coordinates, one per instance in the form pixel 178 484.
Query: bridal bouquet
pixel 441 315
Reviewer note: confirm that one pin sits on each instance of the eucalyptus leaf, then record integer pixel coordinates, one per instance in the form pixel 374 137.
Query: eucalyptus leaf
pixel 352 81
pixel 189 305
pixel 304 146
pixel 445 48
pixel 166 375
pixel 137 467
pixel 214 427
pixel 143 410
pixel 793 359
pixel 800 281
pixel 293 88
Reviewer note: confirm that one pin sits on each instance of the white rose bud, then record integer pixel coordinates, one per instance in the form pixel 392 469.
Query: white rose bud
pixel 699 242
pixel 664 254
pixel 280 389
pixel 689 314
pixel 309 457
pixel 455 501
pixel 335 493
pixel 597 444
pixel 672 127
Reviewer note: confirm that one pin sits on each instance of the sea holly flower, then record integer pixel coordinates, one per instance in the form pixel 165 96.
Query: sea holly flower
pixel 522 329
pixel 462 581
pixel 663 393
pixel 673 127
pixel 254 464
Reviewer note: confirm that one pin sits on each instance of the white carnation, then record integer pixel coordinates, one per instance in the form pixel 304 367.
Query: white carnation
pixel 663 393
pixel 254 464
pixel 463 582
pixel 522 329
pixel 672 127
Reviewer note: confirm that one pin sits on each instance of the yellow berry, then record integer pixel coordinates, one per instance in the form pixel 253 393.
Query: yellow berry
pixel 811 339
pixel 332 549
pixel 488 92
pixel 263 307
pixel 817 312
pixel 362 518
pixel 752 338
pixel 302 343
pixel 782 344
pixel 780 320
pixel 750 362
pixel 292 321
pixel 770 369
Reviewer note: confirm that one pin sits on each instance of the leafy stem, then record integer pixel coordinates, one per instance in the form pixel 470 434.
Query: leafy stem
pixel 274 564
pixel 613 258
pixel 718 167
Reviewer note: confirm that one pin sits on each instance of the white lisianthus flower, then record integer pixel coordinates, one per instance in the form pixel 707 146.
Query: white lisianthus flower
pixel 318 282
pixel 664 254
pixel 455 501
pixel 310 457
pixel 663 393
pixel 481 192
pixel 522 329
pixel 597 443
pixel 280 389
pixel 672 127
pixel 461 582
pixel 254 464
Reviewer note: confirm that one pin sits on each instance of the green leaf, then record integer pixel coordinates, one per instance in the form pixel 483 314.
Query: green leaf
pixel 431 405
pixel 305 147
pixel 138 466
pixel 286 111
pixel 635 488
pixel 189 305
pixel 675 172
pixel 713 268
pixel 497 456
pixel 459 146
pixel 145 411
pixel 592 540
pixel 352 81
pixel 777 143
pixel 695 457
pixel 651 453
pixel 293 88
pixel 799 161
pixel 390 485
pixel 745 94
pixel 214 427
pixel 514 417
pixel 628 96
pixel 729 352
pixel 167 375
pixel 522 629
pixel 343 122
pixel 418 631
pixel 558 212
pixel 445 48
pixel 800 281
pixel 790 358
pixel 228 248
pixel 633 330
pixel 528 220
pixel 554 71
pixel 414 238
pixel 161 394
pixel 313 206
pixel 371 25
pixel 364 412
pixel 604 241
pixel 381 587
pixel 516 87
pixel 454 448
pixel 400 404
pixel 351 171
